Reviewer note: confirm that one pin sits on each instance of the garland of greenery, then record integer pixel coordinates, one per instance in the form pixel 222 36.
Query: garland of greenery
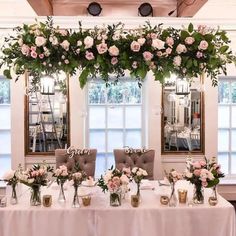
pixel 41 48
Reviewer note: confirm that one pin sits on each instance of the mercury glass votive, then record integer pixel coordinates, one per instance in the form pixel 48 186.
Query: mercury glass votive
pixel 135 200
pixel 47 200
pixel 86 200
pixel 182 193
pixel 164 200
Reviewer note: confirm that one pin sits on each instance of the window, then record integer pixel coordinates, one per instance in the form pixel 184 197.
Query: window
pixel 227 125
pixel 115 120
pixel 5 126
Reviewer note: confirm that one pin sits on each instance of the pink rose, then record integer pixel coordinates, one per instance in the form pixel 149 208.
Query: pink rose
pixel 181 49
pixel 135 46
pixel 65 45
pixel 113 51
pixel 135 64
pixel 25 49
pixel 170 41
pixel 41 56
pixel 152 66
pixel 202 163
pixel 89 56
pixel 197 172
pixel 158 44
pixel 33 48
pixel 102 48
pixel 114 60
pixel 203 45
pixel 177 61
pixel 33 54
pixel 153 35
pixel 168 51
pixel 147 56
pixel 199 54
pixel 66 61
pixel 40 41
pixel 189 40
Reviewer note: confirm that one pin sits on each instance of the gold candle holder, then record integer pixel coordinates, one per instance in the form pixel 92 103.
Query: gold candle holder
pixel 47 200
pixel 3 201
pixel 86 200
pixel 182 193
pixel 164 200
pixel 135 200
pixel 212 201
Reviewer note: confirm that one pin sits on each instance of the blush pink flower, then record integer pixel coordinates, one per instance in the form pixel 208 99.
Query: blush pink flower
pixel 199 54
pixel 181 49
pixel 168 51
pixel 158 44
pixel 114 60
pixel 177 61
pixel 196 164
pixel 101 48
pixel 65 45
pixel 170 41
pixel 141 41
pixel 67 61
pixel 159 53
pixel 135 64
pixel 202 163
pixel 204 184
pixel 189 40
pixel 33 54
pixel 203 45
pixel 25 49
pixel 89 56
pixel 40 41
pixel 147 56
pixel 113 51
pixel 41 56
pixel 197 172
pixel 135 46
pixel 32 48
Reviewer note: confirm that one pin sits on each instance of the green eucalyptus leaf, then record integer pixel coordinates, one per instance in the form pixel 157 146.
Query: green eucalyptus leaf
pixel 7 74
pixel 190 28
pixel 83 77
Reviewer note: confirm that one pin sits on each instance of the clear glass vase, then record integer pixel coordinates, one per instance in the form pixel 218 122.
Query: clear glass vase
pixel 115 198
pixel 61 197
pixel 198 194
pixel 14 199
pixel 35 198
pixel 75 203
pixel 173 198
pixel 213 199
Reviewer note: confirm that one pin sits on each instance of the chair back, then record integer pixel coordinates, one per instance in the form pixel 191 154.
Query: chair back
pixel 143 160
pixel 86 161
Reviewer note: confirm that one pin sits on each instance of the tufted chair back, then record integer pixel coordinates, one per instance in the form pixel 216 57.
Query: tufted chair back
pixel 86 162
pixel 144 161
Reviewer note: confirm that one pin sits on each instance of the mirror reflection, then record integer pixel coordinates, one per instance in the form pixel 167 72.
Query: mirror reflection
pixel 47 114
pixel 182 116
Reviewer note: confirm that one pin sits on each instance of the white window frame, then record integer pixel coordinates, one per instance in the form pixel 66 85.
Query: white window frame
pixel 107 105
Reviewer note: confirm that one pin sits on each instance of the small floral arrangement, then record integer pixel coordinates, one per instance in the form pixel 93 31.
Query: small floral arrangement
pixel 61 174
pixel 173 176
pixel 113 180
pixel 10 177
pixel 77 178
pixel 35 176
pixel 138 174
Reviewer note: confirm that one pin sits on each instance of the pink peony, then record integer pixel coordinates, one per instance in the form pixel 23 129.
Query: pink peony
pixel 202 163
pixel 89 56
pixel 177 61
pixel 197 172
pixel 40 41
pixel 102 48
pixel 41 56
pixel 170 41
pixel 147 56
pixel 181 49
pixel 203 45
pixel 33 54
pixel 113 51
pixel 199 54
pixel 135 46
pixel 25 49
pixel 189 40
pixel 114 60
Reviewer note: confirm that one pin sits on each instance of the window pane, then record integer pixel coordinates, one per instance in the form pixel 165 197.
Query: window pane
pixel 4 91
pixel 97 117
pixel 223 92
pixel 115 117
pixel 223 160
pixel 5 142
pixel 97 93
pixel 233 163
pixel 100 165
pixel 233 116
pixel 223 116
pixel 133 138
pixel 5 117
pixel 233 92
pixel 5 164
pixel 133 117
pixel 114 139
pixel 97 140
pixel 115 93
pixel 233 140
pixel 110 161
pixel 223 140
pixel 132 93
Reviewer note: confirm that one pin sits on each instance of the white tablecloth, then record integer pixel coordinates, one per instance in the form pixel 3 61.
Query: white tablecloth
pixel 99 219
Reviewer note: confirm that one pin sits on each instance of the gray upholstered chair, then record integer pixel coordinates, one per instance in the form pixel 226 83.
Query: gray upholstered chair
pixel 144 160
pixel 86 161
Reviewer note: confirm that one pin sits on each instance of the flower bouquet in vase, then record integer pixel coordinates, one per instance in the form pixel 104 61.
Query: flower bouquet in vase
pixel 62 176
pixel 35 177
pixel 112 181
pixel 10 177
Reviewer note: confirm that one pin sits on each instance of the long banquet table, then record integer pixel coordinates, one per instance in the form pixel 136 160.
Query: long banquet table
pixel 100 219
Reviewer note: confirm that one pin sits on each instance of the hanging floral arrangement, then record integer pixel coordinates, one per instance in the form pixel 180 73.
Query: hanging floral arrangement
pixel 41 48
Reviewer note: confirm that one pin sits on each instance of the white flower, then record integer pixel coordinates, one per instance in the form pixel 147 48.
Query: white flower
pixel 30 181
pixel 8 175
pixel 181 49
pixel 65 44
pixel 116 36
pixel 177 60
pixel 40 41
pixel 189 174
pixel 53 40
pixel 88 42
pixel 124 179
pixel 20 42
pixel 107 176
pixel 79 43
pixel 158 44
pixel 113 51
pixel 134 170
pixel 141 41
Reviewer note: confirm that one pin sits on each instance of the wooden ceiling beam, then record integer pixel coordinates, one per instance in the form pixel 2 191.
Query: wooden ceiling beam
pixel 188 8
pixel 42 7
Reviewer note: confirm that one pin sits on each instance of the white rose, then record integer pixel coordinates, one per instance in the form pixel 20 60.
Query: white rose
pixel 124 179
pixel 8 175
pixel 65 44
pixel 139 173
pixel 181 49
pixel 145 173
pixel 141 41
pixel 134 170
pixel 40 41
pixel 79 43
pixel 177 60
pixel 158 44
pixel 116 36
pixel 189 174
pixel 88 42
pixel 53 40
pixel 113 51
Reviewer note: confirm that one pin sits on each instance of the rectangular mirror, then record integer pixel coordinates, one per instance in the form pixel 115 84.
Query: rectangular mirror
pixel 182 117
pixel 47 114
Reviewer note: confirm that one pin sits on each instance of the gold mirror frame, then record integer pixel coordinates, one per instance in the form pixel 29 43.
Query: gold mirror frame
pixel 26 124
pixel 201 151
